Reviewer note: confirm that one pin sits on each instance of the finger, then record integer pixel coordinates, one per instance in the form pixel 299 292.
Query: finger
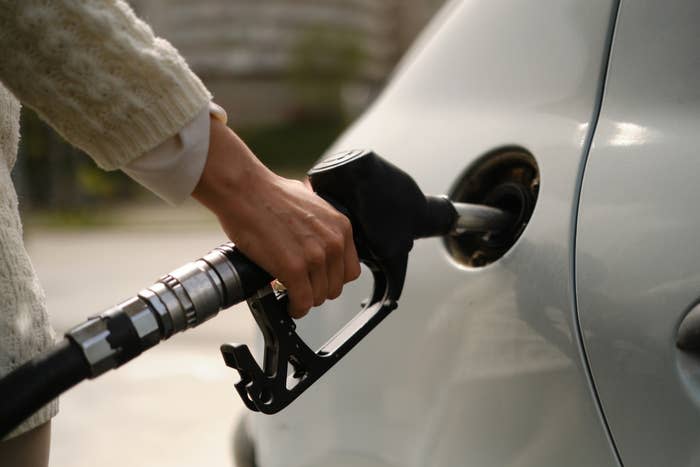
pixel 300 294
pixel 351 263
pixel 318 275
pixel 335 265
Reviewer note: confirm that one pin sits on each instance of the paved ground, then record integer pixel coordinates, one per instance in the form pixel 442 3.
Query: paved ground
pixel 173 406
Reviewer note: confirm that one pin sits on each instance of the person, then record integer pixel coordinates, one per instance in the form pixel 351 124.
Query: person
pixel 100 77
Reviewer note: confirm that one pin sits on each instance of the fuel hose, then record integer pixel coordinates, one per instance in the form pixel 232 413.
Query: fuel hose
pixel 183 299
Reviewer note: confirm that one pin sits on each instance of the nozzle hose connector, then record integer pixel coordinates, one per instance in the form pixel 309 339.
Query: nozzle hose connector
pixel 182 299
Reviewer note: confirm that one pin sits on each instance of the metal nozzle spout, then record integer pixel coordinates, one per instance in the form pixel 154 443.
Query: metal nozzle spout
pixel 480 218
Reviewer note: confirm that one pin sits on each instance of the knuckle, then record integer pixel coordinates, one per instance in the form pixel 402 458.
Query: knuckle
pixel 315 255
pixel 296 267
pixel 335 245
pixel 345 225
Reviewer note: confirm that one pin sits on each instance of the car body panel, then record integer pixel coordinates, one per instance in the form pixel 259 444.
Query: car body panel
pixel 638 265
pixel 477 366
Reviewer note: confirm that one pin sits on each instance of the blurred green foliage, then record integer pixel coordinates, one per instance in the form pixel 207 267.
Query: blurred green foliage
pixel 293 147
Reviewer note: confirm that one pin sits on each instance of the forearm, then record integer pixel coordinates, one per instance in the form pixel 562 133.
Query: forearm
pixel 98 75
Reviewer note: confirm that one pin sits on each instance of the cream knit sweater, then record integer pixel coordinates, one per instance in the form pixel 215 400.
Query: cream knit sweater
pixel 97 75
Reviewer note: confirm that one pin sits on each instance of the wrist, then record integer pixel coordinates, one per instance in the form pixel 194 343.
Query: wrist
pixel 231 172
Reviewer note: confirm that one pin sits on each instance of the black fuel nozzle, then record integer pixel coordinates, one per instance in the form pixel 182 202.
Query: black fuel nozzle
pixel 386 208
pixel 388 211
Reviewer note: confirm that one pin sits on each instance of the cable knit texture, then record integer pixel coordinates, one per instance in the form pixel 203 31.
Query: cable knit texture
pixel 70 58
pixel 98 75
pixel 24 325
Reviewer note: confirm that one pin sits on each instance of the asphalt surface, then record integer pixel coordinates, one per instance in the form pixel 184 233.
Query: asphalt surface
pixel 174 405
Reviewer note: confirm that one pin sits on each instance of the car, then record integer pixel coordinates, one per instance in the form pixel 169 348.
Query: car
pixel 557 347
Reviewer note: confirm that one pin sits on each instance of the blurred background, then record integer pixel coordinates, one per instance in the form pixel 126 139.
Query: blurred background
pixel 292 74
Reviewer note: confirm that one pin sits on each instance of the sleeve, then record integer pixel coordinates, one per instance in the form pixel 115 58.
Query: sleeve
pixel 172 169
pixel 98 75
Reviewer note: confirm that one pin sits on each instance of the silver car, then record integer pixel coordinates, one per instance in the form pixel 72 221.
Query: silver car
pixel 557 347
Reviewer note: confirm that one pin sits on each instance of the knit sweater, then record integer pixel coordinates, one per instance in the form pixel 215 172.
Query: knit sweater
pixel 98 76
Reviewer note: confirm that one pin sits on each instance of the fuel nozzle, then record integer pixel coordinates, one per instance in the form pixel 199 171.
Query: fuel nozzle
pixel 388 211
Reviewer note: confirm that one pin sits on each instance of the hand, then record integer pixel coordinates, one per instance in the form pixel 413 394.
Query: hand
pixel 278 223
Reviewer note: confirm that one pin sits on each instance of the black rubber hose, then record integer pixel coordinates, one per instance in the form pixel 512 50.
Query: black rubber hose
pixel 37 382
